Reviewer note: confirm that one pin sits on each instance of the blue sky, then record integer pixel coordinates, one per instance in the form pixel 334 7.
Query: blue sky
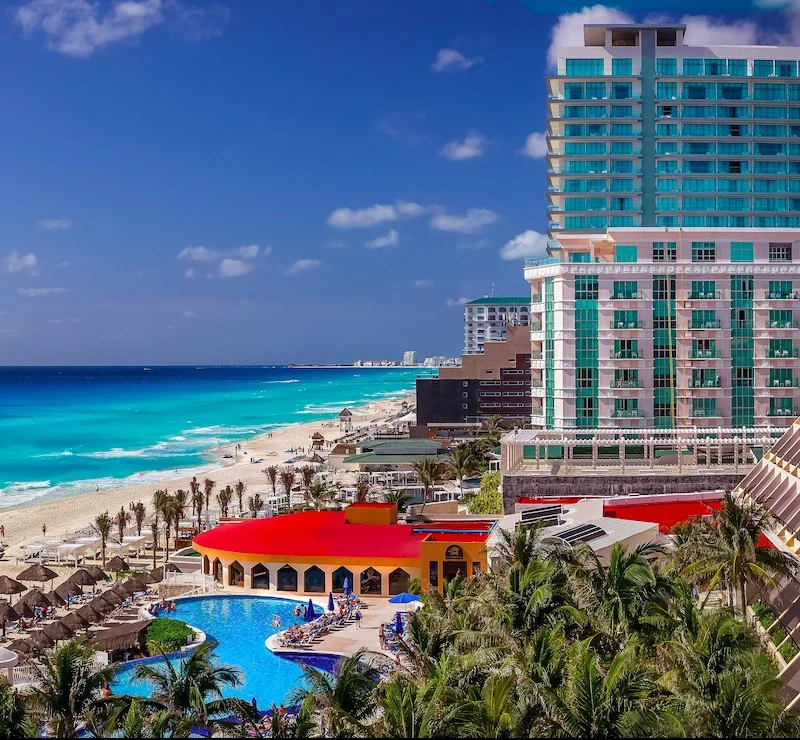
pixel 269 182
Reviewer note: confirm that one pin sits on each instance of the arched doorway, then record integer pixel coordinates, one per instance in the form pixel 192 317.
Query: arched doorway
pixel 371 582
pixel 235 574
pixel 206 565
pixel 216 569
pixel 455 564
pixel 287 578
pixel 338 578
pixel 398 581
pixel 314 580
pixel 260 576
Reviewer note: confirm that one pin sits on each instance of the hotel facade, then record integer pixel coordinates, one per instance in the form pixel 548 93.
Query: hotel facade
pixel 487 320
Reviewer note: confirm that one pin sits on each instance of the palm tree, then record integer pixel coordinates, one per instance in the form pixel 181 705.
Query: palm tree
pixel 344 702
pixel 198 500
pixel 727 549
pixel 167 507
pixel 318 494
pixel 208 487
pixel 67 686
pixel 254 504
pixel 428 471
pixel 399 496
pixel 307 474
pixel 139 514
pixel 102 525
pixel 272 473
pixel 194 490
pixel 224 498
pixel 362 491
pixel 240 486
pixel 180 500
pixel 154 532
pixel 122 518
pixel 460 465
pixel 287 480
pixel 134 720
pixel 15 719
pixel 193 690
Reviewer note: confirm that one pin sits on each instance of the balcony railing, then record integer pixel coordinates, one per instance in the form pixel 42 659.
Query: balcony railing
pixel 705 324
pixel 536 298
pixel 704 295
pixel 541 261
pixel 784 412
pixel 625 384
pixel 781 295
pixel 627 354
pixel 783 325
pixel 627 325
pixel 535 383
pixel 704 413
pixel 707 382
pixel 627 414
pixel 536 355
pixel 536 326
pixel 705 354
pixel 631 295
pixel 779 354
pixel 788 383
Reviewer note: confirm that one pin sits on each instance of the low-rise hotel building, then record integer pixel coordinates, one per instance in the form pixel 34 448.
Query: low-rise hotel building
pixel 315 552
pixel 487 320
pixel 653 328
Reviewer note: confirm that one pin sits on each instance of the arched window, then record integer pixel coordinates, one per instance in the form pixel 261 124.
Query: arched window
pixel 338 578
pixel 287 578
pixel 398 581
pixel 371 582
pixel 260 576
pixel 314 580
pixel 235 574
pixel 217 569
pixel 206 565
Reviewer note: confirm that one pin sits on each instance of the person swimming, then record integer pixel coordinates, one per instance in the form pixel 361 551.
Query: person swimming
pixel 276 620
pixel 298 610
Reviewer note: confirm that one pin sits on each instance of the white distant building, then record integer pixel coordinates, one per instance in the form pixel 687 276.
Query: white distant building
pixel 410 358
pixel 486 319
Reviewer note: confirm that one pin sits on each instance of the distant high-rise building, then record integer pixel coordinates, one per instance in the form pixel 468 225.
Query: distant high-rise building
pixel 410 358
pixel 486 320
pixel 645 130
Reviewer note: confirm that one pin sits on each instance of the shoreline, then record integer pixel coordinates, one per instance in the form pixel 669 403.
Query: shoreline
pixel 72 512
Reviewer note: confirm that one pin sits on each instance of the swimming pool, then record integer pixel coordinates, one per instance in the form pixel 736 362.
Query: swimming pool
pixel 240 625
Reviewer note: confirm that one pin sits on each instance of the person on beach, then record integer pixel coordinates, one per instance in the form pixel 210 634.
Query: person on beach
pixel 382 638
pixel 2 531
pixel 44 530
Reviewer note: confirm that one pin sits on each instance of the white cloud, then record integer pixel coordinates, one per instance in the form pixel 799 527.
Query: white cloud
pixel 189 314
pixel 422 283
pixel 250 252
pixel 39 292
pixel 527 244
pixel 703 30
pixel 78 28
pixel 16 262
pixel 568 30
pixel 390 240
pixel 190 273
pixel 303 265
pixel 473 220
pixel 234 268
pixel 55 224
pixel 470 148
pixel 452 59
pixel 350 218
pixel 456 301
pixel 199 254
pixel 535 145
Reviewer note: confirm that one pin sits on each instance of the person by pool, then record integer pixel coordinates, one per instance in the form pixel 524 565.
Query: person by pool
pixel 276 620
pixel 298 610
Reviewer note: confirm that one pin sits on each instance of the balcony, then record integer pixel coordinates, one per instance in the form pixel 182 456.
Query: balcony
pixel 536 354
pixel 705 354
pixel 627 354
pixel 537 326
pixel 707 383
pixel 788 383
pixel 627 414
pixel 541 261
pixel 705 296
pixel 628 385
pixel 700 325
pixel 704 414
pixel 782 354
pixel 632 295
pixel 536 298
pixel 795 412
pixel 783 325
pixel 781 296
pixel 625 325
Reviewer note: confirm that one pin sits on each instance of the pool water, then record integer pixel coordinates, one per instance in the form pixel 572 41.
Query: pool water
pixel 240 625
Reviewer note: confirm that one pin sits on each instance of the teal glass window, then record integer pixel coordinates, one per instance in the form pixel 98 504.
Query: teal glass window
pixel 625 289
pixel 699 185
pixel 794 131
pixel 733 204
pixel 702 289
pixel 793 93
pixel 584 67
pixel 595 90
pixel 733 186
pixel 621 204
pixel 732 129
pixel 573 91
pixel 668 166
pixel 622 67
pixel 699 167
pixel 622 185
pixel 763 68
pixel 737 67
pixel 698 147
pixel 715 67
pixel 724 147
pixel 769 129
pixel 785 69
pixel 621 111
pixel 769 186
pixel 666 66
pixel 699 111
pixel 596 111
pixel 621 90
pixel 586 287
pixel 665 252
pixel 741 251
pixel 626 253
pixel 732 91
pixel 704 407
pixel 621 166
pixel 768 91
pixel 622 129
pixel 667 147
pixel 704 252
pixel 667 129
pixel 769 168
pixel 667 90
pixel 667 204
pixel 622 221
pixel 580 257
pixel 620 147
pixel 574 129
pixel 699 129
pixel 699 90
pixel 769 111
pixel 596 147
pixel 699 204
pixel 667 185
pixel 573 111
pixel 666 220
pixel 596 129
pixel 666 111
pixel 693 67
pixel 770 148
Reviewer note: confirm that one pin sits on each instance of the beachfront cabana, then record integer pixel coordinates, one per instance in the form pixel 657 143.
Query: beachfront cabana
pixel 70 552
pixel 90 543
pixel 126 636
pixel 317 441
pixel 118 549
pixel 345 419
pixel 135 542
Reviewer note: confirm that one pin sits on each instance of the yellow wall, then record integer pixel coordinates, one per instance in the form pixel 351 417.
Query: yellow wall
pixel 436 552
pixel 356 514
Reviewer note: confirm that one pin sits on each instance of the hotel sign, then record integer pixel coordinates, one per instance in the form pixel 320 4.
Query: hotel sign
pixel 453 552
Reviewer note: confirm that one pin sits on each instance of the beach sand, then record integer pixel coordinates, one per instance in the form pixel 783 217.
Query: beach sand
pixel 70 514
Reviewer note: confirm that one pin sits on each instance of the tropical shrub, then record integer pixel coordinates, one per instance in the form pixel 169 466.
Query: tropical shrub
pixel 488 500
pixel 166 635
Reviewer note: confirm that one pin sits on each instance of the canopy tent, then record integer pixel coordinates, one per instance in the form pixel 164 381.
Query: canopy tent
pixel 70 551
pixel 126 636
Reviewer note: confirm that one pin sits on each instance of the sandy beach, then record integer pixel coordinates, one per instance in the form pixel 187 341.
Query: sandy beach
pixel 69 514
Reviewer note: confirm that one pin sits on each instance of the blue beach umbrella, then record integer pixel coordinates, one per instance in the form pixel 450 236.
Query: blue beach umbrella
pixel 330 602
pixel 347 587
pixel 398 624
pixel 310 611
pixel 404 598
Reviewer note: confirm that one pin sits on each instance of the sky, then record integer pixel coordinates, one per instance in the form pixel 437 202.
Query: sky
pixel 273 182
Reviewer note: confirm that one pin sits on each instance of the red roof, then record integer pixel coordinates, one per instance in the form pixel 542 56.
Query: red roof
pixel 309 534
pixel 666 515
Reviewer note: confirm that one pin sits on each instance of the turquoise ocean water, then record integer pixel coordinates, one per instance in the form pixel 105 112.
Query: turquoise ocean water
pixel 66 430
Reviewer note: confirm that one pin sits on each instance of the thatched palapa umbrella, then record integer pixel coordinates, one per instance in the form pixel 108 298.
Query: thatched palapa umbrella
pixel 10 586
pixel 55 598
pixel 21 647
pixel 24 610
pixel 35 598
pixel 58 631
pixel 117 564
pixel 88 612
pixel 102 605
pixel 67 589
pixel 38 573
pixel 41 639
pixel 75 621
pixel 110 597
pixel 82 577
pixel 96 572
pixel 7 614
pixel 146 578
pixel 157 574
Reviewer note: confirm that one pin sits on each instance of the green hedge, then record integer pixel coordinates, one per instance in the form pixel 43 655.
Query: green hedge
pixel 166 635
pixel 766 617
